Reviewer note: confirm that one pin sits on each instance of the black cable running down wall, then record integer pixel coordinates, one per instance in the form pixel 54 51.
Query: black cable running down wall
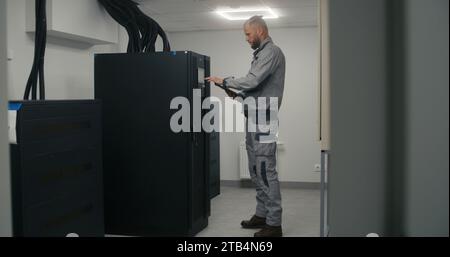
pixel 142 30
pixel 37 71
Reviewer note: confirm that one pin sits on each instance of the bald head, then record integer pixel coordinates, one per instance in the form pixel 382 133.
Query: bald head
pixel 257 22
pixel 256 31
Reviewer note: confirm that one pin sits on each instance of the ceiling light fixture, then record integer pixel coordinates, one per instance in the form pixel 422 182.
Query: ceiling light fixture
pixel 245 14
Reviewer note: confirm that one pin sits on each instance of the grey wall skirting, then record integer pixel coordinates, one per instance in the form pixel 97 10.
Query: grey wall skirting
pixel 285 185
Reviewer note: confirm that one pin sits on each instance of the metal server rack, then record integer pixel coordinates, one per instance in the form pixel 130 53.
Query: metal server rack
pixel 156 181
pixel 56 168
pixel 214 165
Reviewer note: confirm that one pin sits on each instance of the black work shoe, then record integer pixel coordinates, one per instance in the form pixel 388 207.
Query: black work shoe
pixel 254 222
pixel 270 231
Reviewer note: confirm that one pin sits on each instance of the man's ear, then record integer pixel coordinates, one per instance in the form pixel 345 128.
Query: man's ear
pixel 259 32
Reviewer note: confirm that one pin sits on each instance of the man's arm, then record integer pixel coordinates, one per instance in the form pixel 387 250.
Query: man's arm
pixel 219 82
pixel 264 67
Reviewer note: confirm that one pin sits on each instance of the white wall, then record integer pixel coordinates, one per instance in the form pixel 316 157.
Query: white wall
pixel 5 188
pixel 231 56
pixel 69 65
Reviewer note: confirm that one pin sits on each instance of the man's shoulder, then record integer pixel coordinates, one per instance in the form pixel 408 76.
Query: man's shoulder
pixel 272 47
pixel 275 50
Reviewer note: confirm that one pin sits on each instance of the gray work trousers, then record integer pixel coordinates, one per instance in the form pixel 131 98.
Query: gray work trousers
pixel 262 166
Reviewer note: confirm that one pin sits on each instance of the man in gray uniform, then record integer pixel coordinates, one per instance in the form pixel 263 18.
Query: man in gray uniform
pixel 265 79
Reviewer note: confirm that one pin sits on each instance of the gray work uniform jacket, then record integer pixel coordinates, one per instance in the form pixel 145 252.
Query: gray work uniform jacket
pixel 266 76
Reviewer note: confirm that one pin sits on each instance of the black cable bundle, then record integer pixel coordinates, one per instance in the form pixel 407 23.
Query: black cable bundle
pixel 142 30
pixel 40 41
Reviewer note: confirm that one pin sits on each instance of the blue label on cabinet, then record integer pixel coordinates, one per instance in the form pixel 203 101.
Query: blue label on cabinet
pixel 14 106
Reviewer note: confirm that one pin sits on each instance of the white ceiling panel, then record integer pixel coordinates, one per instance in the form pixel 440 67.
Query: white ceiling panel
pixel 195 15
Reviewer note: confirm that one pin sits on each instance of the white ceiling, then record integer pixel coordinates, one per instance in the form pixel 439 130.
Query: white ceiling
pixel 195 15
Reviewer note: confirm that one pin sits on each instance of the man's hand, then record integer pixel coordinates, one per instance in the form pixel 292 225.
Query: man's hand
pixel 215 80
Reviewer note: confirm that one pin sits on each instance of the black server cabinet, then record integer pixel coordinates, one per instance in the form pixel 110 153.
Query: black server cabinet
pixel 156 181
pixel 56 169
pixel 214 165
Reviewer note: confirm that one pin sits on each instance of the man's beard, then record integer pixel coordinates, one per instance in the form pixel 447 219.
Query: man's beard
pixel 256 44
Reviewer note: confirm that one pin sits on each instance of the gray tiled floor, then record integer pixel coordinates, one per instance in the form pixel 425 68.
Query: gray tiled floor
pixel 301 213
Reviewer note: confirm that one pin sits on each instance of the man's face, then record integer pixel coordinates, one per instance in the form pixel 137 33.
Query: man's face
pixel 253 37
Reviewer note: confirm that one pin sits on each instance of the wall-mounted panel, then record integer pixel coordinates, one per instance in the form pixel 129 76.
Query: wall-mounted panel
pixel 82 20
